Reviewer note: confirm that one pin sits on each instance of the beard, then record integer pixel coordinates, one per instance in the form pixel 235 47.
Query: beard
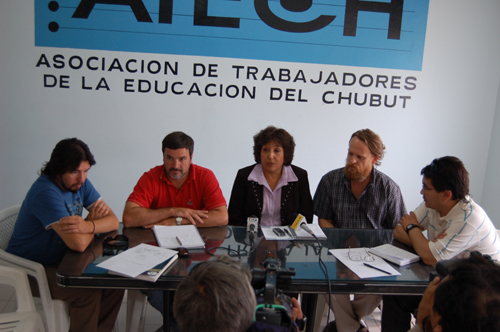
pixel 61 184
pixel 178 176
pixel 353 173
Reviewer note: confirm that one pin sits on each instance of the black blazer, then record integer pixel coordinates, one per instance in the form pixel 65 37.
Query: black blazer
pixel 247 198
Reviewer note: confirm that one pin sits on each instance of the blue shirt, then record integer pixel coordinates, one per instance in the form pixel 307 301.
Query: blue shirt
pixel 44 204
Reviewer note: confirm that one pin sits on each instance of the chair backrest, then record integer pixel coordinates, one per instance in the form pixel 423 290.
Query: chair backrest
pixel 55 312
pixel 8 218
pixel 18 279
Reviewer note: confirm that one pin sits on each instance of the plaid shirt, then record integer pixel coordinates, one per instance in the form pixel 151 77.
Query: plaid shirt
pixel 380 205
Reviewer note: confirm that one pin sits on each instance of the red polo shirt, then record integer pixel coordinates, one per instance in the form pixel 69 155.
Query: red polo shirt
pixel 201 190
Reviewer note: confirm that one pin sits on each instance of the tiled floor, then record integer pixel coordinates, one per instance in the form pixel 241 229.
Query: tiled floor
pixel 153 319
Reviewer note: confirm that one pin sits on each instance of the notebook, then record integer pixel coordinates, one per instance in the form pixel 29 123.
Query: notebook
pixel 394 254
pixel 154 273
pixel 183 236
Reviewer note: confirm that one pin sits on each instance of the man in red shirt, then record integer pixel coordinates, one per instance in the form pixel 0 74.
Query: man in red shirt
pixel 177 192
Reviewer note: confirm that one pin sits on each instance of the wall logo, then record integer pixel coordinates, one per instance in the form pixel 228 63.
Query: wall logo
pixel 382 34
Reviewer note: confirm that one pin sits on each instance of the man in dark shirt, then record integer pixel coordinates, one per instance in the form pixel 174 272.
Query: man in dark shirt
pixel 358 196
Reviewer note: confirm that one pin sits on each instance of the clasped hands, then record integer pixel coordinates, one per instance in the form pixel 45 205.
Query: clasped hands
pixel 412 219
pixel 408 219
pixel 194 216
pixel 76 224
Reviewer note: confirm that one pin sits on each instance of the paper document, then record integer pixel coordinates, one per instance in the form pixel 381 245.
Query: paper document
pixel 156 272
pixel 137 260
pixel 364 268
pixel 173 237
pixel 394 254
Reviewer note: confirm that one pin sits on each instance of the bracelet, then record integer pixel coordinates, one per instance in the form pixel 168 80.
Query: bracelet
pixel 93 223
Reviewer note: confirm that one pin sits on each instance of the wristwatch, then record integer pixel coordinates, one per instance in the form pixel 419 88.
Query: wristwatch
pixel 410 227
pixel 178 220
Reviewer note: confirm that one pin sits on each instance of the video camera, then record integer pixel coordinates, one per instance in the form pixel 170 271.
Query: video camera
pixel 273 307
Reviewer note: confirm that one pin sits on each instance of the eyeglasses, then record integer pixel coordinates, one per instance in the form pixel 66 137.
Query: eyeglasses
pixel 111 246
pixel 358 257
pixel 424 188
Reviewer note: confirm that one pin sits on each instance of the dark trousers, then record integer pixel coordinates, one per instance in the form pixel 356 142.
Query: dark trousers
pixel 397 310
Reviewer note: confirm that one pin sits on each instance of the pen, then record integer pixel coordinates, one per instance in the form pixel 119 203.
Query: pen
pixel 178 240
pixel 286 231
pixel 376 268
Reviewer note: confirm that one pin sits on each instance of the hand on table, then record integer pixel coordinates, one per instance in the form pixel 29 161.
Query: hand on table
pixel 194 216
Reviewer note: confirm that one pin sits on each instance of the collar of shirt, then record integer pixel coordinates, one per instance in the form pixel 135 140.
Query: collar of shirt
pixel 190 177
pixel 287 175
pixel 457 208
pixel 271 209
pixel 373 179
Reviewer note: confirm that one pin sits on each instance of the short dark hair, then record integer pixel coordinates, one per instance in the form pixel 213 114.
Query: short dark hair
pixel 177 140
pixel 448 173
pixel 66 157
pixel 470 299
pixel 279 135
pixel 215 296
pixel 373 141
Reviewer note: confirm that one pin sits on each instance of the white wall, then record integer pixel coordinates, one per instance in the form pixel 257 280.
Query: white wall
pixel 491 192
pixel 451 111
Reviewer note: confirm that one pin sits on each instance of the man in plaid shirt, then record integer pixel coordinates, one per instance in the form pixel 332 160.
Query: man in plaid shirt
pixel 358 196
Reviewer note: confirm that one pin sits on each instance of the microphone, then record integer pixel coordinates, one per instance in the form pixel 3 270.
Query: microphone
pixel 252 224
pixel 252 227
pixel 304 226
pixel 300 221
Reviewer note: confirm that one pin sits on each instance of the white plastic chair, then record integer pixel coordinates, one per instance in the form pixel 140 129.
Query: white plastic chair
pixel 25 318
pixel 55 312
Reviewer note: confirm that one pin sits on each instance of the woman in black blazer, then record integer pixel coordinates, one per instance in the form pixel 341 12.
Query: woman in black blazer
pixel 273 189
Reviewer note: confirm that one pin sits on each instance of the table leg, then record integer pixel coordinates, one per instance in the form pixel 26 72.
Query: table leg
pixel 166 310
pixel 309 309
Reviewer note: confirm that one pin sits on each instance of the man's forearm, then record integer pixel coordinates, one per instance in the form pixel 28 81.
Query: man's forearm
pixel 401 236
pixel 106 224
pixel 75 241
pixel 139 216
pixel 101 219
pixel 325 223
pixel 78 233
pixel 421 246
pixel 216 217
